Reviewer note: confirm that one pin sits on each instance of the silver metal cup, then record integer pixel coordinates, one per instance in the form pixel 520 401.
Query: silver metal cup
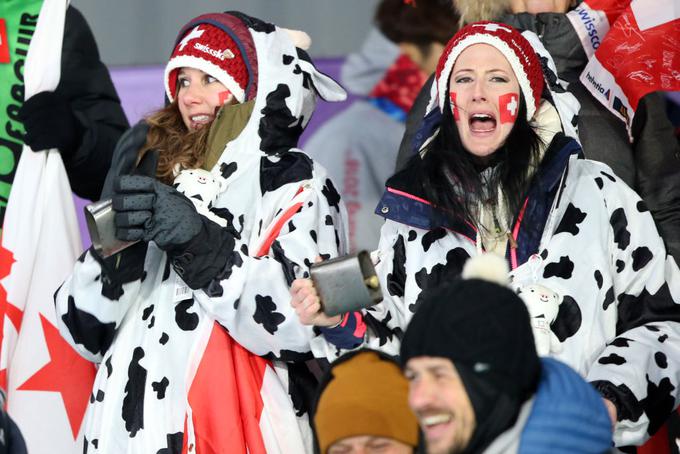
pixel 102 229
pixel 346 283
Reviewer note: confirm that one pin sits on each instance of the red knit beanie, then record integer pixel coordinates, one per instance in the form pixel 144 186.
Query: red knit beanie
pixel 516 49
pixel 213 51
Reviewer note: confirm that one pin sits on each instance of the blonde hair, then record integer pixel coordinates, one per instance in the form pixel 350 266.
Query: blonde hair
pixel 174 142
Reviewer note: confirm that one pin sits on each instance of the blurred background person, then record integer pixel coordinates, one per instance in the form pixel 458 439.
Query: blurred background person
pixel 359 145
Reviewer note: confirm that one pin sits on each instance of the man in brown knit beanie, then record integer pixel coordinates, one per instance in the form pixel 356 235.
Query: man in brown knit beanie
pixel 362 407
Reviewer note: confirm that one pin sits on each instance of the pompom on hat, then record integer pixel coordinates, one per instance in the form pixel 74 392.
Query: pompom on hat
pixel 210 46
pixel 516 49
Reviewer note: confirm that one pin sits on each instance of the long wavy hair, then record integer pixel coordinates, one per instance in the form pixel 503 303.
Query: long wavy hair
pixel 455 181
pixel 175 143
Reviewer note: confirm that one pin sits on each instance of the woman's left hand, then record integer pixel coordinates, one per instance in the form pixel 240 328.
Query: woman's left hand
pixel 149 210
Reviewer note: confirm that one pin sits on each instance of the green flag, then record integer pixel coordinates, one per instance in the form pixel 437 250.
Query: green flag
pixel 18 19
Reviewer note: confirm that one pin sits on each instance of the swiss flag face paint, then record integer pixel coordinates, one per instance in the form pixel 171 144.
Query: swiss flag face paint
pixel 223 97
pixel 454 106
pixel 508 105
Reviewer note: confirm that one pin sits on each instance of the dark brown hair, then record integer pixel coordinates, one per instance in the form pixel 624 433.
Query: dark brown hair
pixel 427 22
pixel 175 143
pixel 447 161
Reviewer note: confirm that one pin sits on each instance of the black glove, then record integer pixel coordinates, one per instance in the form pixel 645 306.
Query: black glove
pixel 149 210
pixel 50 123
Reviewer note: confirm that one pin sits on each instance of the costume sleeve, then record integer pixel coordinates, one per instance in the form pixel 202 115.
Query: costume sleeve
pixel 93 301
pixel 85 82
pixel 639 369
pixel 250 296
pixel 404 272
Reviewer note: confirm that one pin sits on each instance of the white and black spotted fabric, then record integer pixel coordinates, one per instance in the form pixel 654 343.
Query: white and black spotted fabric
pixel 145 333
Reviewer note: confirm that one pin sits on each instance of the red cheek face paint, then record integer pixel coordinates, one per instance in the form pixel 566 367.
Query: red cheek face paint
pixel 454 106
pixel 223 97
pixel 508 105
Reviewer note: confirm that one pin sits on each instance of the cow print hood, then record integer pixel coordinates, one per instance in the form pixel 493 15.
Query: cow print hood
pixel 283 83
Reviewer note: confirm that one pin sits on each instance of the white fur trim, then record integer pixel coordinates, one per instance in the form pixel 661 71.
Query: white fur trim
pixel 189 61
pixel 489 267
pixel 510 55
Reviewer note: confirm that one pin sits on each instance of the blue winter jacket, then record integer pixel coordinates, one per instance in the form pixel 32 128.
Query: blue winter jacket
pixel 568 416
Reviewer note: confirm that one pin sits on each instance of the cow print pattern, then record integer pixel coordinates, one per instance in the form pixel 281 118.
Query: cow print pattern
pixel 620 266
pixel 432 236
pixel 266 315
pixel 659 403
pixel 570 220
pixel 279 130
pixel 187 321
pixel 641 257
pixel 226 170
pixel 87 330
pixel 598 278
pixel 619 223
pixel 133 403
pixel 568 320
pixel 440 273
pixel 331 194
pixel 159 387
pixel 288 168
pixel 174 444
pixel 562 269
pixel 396 280
pixel 612 359
pixel 288 266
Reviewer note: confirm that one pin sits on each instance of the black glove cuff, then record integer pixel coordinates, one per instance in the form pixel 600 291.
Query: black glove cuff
pixel 627 405
pixel 201 259
pixel 124 266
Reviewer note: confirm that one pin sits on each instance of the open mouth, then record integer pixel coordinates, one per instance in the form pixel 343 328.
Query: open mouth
pixel 199 120
pixel 482 123
pixel 436 425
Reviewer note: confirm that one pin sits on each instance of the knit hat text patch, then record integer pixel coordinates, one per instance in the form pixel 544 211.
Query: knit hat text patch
pixel 211 50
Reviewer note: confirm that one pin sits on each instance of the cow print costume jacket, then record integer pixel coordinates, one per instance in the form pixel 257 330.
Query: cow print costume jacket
pixel 592 240
pixel 148 330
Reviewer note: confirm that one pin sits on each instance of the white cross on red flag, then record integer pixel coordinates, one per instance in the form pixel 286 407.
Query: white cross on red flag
pixel 634 48
pixel 48 384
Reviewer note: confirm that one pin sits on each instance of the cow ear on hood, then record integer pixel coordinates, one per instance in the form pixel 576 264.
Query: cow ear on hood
pixel 324 86
pixel 299 38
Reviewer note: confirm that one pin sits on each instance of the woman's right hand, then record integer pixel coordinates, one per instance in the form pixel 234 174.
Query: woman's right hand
pixel 307 304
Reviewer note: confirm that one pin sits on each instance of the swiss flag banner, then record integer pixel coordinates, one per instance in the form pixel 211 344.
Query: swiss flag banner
pixel 634 48
pixel 48 384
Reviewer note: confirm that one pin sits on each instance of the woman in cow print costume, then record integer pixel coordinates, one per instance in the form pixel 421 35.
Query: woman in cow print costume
pixel 499 174
pixel 191 326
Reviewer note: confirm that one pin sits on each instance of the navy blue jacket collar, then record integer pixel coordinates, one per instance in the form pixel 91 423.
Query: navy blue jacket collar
pixel 404 200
